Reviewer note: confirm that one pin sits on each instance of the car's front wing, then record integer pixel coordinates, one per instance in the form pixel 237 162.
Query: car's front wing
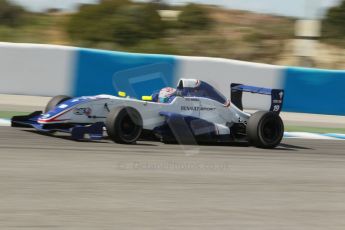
pixel 77 131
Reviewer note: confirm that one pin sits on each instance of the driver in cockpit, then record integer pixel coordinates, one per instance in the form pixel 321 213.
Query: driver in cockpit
pixel 165 95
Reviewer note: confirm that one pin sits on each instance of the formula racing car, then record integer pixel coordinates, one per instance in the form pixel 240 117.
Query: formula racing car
pixel 193 113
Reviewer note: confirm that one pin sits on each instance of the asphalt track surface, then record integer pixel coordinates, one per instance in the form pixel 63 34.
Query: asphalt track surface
pixel 56 183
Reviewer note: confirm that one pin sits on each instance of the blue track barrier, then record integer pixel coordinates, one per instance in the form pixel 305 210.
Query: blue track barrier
pixel 107 72
pixel 314 91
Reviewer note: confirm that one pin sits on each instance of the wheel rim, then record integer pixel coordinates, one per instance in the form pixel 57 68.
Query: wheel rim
pixel 271 131
pixel 128 128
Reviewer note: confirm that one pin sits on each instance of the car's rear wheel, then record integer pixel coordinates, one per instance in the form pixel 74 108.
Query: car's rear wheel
pixel 124 125
pixel 56 101
pixel 265 129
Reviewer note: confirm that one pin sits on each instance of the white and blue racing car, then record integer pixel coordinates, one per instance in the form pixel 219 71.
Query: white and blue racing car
pixel 194 112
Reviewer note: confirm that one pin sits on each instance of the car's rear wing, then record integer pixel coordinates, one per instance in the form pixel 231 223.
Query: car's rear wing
pixel 277 95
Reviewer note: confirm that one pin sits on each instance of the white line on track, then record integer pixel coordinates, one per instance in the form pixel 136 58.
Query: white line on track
pixel 315 136
pixel 5 122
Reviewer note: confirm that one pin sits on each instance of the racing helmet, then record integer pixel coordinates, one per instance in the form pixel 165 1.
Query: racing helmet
pixel 166 94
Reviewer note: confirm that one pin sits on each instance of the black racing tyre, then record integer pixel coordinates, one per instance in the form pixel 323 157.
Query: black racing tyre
pixel 124 125
pixel 55 101
pixel 265 129
pixel 169 141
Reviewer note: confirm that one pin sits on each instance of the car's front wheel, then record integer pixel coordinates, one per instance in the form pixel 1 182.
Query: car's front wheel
pixel 265 129
pixel 55 101
pixel 124 125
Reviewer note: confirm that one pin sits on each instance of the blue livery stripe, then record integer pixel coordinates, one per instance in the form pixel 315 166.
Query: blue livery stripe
pixel 253 89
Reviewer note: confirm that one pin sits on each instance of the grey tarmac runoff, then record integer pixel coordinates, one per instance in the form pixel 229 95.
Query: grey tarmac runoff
pixel 55 183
